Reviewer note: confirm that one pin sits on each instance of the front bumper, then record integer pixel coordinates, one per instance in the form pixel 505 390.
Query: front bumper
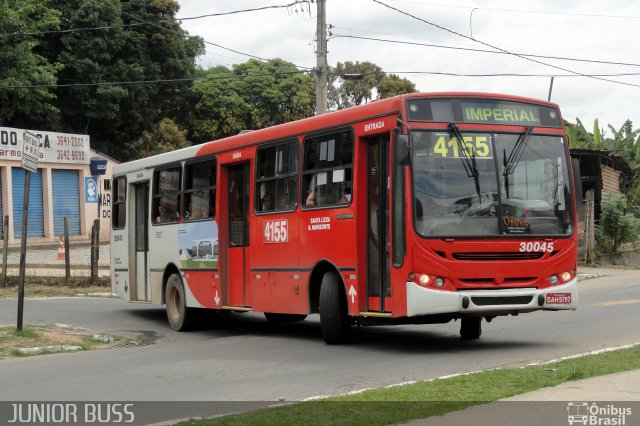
pixel 425 301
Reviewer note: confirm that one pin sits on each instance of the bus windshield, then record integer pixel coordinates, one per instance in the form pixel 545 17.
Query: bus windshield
pixel 490 184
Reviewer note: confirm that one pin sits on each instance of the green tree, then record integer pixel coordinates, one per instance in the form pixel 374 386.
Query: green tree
pixel 165 136
pixel 250 96
pixel 23 65
pixel 142 42
pixel 626 143
pixel 616 225
pixel 352 83
pixel 393 85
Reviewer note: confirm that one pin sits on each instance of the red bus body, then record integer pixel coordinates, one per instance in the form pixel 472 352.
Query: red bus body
pixel 287 256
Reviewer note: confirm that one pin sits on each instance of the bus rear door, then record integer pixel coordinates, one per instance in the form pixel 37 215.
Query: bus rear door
pixel 141 242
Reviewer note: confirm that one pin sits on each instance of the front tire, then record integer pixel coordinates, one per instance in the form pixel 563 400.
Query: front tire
pixel 181 318
pixel 471 328
pixel 334 316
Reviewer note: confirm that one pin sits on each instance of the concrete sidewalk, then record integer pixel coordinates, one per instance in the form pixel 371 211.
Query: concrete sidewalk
pixel 608 395
pixel 554 405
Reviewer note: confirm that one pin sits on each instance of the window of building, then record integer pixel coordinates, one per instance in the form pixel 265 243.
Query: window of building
pixel 327 175
pixel 277 178
pixel 166 195
pixel 200 190
pixel 119 211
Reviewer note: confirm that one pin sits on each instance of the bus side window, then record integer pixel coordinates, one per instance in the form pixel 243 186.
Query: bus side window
pixel 118 215
pixel 277 185
pixel 166 195
pixel 327 177
pixel 199 190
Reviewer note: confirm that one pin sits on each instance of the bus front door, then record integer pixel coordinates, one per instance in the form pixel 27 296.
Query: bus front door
pixel 378 279
pixel 141 215
pixel 237 226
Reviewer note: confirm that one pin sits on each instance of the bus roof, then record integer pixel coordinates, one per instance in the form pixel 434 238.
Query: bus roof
pixel 307 125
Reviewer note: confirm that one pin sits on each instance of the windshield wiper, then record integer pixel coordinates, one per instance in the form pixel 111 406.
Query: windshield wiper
pixel 518 150
pixel 468 160
pixel 510 163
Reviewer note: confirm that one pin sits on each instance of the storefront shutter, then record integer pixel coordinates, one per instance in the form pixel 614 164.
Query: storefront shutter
pixel 35 218
pixel 66 201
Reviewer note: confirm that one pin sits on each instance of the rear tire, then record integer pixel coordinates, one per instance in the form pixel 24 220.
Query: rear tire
pixel 181 318
pixel 334 316
pixel 279 318
pixel 471 328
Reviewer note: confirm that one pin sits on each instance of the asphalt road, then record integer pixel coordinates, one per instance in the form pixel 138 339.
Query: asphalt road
pixel 241 357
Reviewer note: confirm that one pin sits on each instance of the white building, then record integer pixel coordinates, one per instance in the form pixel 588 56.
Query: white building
pixel 72 181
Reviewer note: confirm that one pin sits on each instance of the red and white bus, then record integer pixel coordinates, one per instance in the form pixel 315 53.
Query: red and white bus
pixel 422 208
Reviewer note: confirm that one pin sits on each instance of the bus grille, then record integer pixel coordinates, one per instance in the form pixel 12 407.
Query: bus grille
pixel 486 256
pixel 504 300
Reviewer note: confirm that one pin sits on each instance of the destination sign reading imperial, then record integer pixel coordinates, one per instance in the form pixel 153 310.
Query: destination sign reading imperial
pixel 484 111
pixel 54 147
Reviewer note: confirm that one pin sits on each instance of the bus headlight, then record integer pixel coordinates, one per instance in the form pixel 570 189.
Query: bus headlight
pixel 423 279
pixel 439 282
pixel 565 276
pixel 553 279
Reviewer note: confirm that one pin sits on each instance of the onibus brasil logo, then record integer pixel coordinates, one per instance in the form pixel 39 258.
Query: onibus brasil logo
pixel 593 414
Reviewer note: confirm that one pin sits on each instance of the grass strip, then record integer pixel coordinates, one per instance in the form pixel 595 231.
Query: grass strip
pixel 437 397
pixel 52 335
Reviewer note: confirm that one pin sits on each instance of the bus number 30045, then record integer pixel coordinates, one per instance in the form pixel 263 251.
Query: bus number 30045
pixel 536 247
pixel 276 231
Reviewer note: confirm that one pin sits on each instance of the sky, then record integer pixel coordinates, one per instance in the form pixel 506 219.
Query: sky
pixel 594 30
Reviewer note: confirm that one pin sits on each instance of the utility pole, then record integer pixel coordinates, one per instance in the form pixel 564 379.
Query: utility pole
pixel 321 58
pixel 550 89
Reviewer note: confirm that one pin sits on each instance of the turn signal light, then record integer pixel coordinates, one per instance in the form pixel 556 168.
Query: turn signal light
pixel 423 279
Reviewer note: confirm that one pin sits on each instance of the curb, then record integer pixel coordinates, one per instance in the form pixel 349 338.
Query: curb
pixel 587 276
pixel 108 295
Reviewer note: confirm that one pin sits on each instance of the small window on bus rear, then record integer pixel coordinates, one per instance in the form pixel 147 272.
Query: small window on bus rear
pixel 277 178
pixel 327 174
pixel 119 196
pixel 166 195
pixel 200 190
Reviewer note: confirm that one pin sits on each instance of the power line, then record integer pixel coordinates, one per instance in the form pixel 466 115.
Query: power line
pixel 470 49
pixel 106 27
pixel 234 12
pixel 500 49
pixel 157 81
pixel 457 74
pixel 589 15
pixel 71 30
pixel 240 76
pixel 153 24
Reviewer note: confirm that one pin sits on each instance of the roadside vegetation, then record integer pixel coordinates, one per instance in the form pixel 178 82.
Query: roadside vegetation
pixel 55 287
pixel 51 338
pixel 434 398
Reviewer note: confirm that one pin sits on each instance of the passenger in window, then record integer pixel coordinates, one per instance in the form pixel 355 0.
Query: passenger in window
pixel 188 212
pixel 346 196
pixel 160 215
pixel 267 203
pixel 283 201
pixel 312 193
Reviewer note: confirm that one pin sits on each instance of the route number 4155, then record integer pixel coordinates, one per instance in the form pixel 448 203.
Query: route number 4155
pixel 536 246
pixel 276 231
